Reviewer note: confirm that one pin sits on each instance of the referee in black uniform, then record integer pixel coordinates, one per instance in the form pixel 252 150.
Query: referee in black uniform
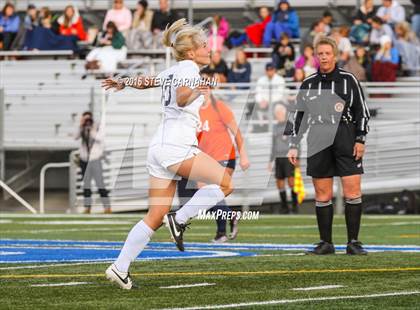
pixel 331 103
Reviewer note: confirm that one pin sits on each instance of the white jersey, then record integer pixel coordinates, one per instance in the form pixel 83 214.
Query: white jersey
pixel 179 124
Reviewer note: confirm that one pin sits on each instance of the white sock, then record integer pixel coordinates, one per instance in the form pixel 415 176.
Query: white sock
pixel 138 237
pixel 204 199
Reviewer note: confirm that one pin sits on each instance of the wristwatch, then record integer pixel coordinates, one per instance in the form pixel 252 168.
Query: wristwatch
pixel 361 139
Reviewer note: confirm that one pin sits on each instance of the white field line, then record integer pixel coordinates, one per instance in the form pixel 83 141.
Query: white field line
pixel 52 265
pixel 289 301
pixel 60 284
pixel 6 221
pixel 188 285
pixel 313 288
pixel 36 231
pixel 80 222
pixel 4 253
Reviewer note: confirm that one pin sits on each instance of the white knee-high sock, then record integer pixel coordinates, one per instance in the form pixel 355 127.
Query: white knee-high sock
pixel 137 239
pixel 205 198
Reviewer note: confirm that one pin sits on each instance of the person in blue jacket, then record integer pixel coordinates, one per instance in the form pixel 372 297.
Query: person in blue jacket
pixel 284 20
pixel 9 26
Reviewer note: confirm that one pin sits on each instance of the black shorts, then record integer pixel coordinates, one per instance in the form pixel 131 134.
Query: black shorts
pixel 337 159
pixel 283 168
pixel 230 163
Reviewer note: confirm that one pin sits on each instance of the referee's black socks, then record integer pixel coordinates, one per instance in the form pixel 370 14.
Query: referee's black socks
pixel 324 216
pixel 353 213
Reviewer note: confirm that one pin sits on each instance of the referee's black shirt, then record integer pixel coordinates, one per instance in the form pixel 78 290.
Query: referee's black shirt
pixel 322 90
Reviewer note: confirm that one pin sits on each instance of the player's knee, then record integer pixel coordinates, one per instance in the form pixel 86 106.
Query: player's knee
pixel 323 195
pixel 352 192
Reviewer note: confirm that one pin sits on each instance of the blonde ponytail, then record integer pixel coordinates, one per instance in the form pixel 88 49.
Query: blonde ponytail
pixel 182 37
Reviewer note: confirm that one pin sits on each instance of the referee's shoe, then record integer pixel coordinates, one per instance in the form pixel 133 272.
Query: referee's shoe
pixel 354 247
pixel 322 248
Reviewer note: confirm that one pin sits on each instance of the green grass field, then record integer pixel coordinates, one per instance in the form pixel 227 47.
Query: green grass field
pixel 265 281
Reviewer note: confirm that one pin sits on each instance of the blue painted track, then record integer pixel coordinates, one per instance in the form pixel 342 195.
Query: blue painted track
pixel 51 251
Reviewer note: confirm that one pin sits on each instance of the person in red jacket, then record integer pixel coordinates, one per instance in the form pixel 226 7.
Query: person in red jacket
pixel 255 32
pixel 71 24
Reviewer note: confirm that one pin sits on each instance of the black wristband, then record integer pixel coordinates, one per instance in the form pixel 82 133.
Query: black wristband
pixel 361 139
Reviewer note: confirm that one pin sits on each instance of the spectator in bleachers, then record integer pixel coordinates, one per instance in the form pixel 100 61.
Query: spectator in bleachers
pixel 270 87
pixel 299 75
pixel 415 18
pixel 365 13
pixel 161 18
pixel 217 68
pixel 9 26
pixel 45 36
pixel 140 35
pixel 111 50
pixel 31 18
pixel 71 24
pixel 340 35
pixel 386 60
pixel 408 47
pixel 283 56
pixel 240 71
pixel 379 29
pixel 283 20
pixel 253 33
pixel 317 30
pixel 363 58
pixel 328 20
pixel 46 18
pixel 308 62
pixel 391 12
pixel 120 16
pixel 219 31
pixel 91 153
pixel 362 23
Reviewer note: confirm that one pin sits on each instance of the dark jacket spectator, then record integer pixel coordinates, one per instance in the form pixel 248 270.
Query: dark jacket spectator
pixel 71 24
pixel 9 26
pixel 283 20
pixel 365 13
pixel 217 68
pixel 284 56
pixel 163 16
pixel 240 71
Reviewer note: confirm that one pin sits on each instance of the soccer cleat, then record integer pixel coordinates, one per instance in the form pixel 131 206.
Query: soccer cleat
pixel 123 279
pixel 322 248
pixel 355 248
pixel 176 230
pixel 220 238
pixel 233 228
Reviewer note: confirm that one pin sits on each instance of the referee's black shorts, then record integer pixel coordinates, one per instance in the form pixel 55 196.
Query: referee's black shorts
pixel 283 168
pixel 337 159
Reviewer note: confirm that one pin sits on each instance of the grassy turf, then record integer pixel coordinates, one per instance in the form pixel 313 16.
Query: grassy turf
pixel 267 278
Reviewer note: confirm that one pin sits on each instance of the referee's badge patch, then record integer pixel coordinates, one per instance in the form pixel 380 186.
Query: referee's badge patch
pixel 339 107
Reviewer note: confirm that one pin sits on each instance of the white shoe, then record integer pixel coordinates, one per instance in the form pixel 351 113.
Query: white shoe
pixel 123 279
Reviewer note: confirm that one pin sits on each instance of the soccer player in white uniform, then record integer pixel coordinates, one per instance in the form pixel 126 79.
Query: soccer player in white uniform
pixel 173 151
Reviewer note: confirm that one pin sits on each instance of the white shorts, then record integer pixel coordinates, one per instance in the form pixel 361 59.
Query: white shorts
pixel 161 156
